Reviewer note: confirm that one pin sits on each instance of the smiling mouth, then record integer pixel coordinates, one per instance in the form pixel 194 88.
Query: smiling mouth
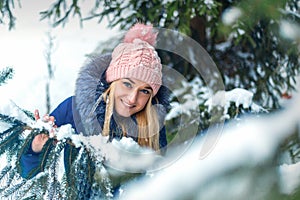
pixel 128 105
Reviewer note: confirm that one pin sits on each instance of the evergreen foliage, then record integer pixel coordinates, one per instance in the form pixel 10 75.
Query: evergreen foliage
pixel 5 74
pixel 75 182
pixel 66 171
pixel 251 53
pixel 6 10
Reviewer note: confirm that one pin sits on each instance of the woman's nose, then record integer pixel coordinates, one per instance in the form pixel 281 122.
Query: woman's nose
pixel 132 97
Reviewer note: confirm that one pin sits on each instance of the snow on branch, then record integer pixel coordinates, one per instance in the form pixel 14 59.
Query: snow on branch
pixel 240 166
pixel 238 96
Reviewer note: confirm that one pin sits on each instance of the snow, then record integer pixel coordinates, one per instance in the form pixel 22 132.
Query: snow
pixel 23 49
pixel 239 96
pixel 231 15
pixel 249 144
pixel 289 30
pixel 190 100
pixel 10 108
pixel 209 3
pixel 223 46
pixel 290 177
pixel 124 155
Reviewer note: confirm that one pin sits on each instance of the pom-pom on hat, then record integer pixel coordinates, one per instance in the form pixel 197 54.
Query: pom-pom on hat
pixel 137 58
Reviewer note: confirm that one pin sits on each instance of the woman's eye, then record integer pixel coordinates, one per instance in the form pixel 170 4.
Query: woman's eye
pixel 127 84
pixel 145 91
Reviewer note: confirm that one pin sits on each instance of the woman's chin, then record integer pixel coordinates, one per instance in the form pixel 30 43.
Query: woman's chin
pixel 124 113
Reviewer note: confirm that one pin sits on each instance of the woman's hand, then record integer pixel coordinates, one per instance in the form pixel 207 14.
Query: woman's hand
pixel 40 139
pixel 38 142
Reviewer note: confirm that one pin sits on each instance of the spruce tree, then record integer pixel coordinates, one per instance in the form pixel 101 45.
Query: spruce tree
pixel 250 52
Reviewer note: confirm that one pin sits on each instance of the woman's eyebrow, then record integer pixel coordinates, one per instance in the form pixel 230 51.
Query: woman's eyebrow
pixel 148 88
pixel 130 80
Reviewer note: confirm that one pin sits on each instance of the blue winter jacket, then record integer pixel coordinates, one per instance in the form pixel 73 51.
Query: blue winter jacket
pixel 75 110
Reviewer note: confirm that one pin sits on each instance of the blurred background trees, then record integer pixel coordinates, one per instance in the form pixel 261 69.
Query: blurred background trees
pixel 254 43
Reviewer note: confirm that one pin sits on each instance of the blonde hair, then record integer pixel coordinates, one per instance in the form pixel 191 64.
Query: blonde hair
pixel 147 121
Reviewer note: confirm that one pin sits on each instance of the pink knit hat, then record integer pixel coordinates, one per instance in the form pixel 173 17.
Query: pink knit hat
pixel 137 58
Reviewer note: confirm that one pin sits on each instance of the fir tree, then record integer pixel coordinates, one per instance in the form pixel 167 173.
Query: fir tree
pixel 76 181
pixel 46 181
pixel 250 52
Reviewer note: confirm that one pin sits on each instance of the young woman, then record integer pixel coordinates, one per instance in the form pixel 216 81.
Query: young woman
pixel 117 95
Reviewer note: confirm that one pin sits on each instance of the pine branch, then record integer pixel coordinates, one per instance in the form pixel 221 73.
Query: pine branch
pixel 14 143
pixel 78 179
pixel 71 153
pixel 85 170
pixel 5 170
pixel 6 74
pixel 53 182
pixel 25 190
pixel 14 190
pixel 10 120
pixel 3 177
pixel 39 185
pixel 11 143
pixel 29 114
pixel 5 133
pixel 8 180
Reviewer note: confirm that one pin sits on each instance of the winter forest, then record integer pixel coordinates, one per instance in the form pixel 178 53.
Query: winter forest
pixel 233 127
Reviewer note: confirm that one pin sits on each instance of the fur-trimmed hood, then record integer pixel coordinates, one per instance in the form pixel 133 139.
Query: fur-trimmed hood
pixel 90 84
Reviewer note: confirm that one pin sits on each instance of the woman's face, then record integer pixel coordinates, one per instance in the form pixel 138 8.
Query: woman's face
pixel 131 96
